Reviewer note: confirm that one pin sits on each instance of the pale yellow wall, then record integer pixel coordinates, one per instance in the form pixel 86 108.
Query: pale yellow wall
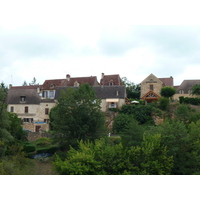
pixel 104 104
pixel 37 112
pixel 176 96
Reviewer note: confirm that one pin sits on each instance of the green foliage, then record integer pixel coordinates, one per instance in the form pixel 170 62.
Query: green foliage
pixel 29 147
pixel 5 136
pixel 190 100
pixel 164 103
pixel 50 149
pixel 15 127
pixel 77 116
pixel 181 99
pixel 43 142
pixel 196 90
pixel 167 91
pixel 16 165
pixel 132 90
pixel 183 113
pixel 142 113
pixel 103 158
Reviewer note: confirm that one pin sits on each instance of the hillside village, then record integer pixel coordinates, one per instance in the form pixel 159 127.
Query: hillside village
pixel 33 103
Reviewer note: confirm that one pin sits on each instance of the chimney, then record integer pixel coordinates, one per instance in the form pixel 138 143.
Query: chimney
pixel 38 89
pixel 102 75
pixel 68 77
pixel 10 86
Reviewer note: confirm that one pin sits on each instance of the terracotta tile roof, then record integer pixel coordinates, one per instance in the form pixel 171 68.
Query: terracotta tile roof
pixel 107 79
pixel 52 84
pixel 91 80
pixel 168 81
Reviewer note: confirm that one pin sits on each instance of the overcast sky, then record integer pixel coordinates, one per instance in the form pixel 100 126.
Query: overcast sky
pixel 49 39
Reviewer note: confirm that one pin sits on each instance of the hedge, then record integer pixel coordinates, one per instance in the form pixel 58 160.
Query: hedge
pixel 188 100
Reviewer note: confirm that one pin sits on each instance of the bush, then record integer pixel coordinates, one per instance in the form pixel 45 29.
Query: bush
pixel 164 103
pixel 29 147
pixel 51 149
pixel 43 142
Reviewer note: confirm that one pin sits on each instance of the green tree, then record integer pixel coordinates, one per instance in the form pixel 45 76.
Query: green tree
pixel 167 91
pixel 5 136
pixel 34 82
pixel 174 135
pixel 101 157
pixel 132 90
pixel 24 83
pixel 196 89
pixel 77 116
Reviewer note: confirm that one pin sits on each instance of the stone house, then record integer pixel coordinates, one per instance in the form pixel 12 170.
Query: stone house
pixel 33 103
pixel 112 97
pixel 185 89
pixel 151 87
pixel 110 80
pixel 27 103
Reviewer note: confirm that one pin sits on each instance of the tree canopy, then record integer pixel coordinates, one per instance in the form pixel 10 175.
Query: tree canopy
pixel 77 116
pixel 167 91
pixel 196 90
pixel 132 90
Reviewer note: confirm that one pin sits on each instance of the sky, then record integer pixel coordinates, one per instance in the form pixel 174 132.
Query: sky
pixel 49 39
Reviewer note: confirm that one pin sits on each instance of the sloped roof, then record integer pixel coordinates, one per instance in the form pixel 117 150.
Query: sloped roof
pixel 47 85
pixel 104 92
pixel 26 87
pixel 115 78
pixel 168 81
pixel 91 80
pixel 187 85
pixel 14 94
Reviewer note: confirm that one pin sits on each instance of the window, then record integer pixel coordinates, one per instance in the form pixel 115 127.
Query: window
pixel 112 105
pixel 11 109
pixel 51 94
pixel 26 109
pixel 181 92
pixel 111 83
pixel 151 87
pixel 28 120
pixel 46 111
pixel 22 98
pixel 76 84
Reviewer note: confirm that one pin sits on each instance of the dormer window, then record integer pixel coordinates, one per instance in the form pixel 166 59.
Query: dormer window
pixel 52 86
pixel 111 83
pixel 76 84
pixel 22 99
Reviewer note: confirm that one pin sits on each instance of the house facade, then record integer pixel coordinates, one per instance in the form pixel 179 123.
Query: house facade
pixel 111 97
pixel 185 89
pixel 151 87
pixel 33 103
pixel 27 103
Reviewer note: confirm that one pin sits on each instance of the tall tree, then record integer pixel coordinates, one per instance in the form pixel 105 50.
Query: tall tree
pixel 132 90
pixel 196 90
pixel 5 136
pixel 34 82
pixel 77 116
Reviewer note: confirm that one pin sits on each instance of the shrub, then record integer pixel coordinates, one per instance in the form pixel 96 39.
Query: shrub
pixel 29 147
pixel 164 103
pixel 52 149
